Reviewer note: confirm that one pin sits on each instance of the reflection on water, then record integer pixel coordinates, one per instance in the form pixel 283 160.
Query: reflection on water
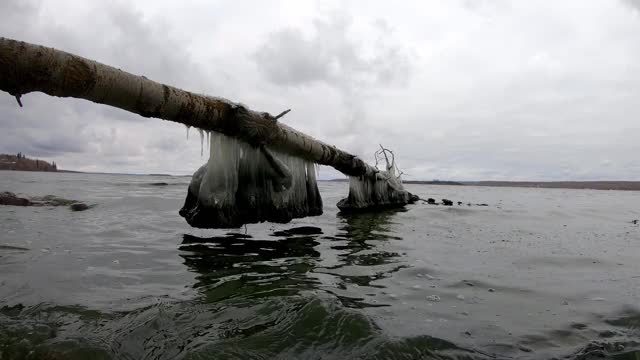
pixel 259 298
pixel 363 232
pixel 239 266
pixel 357 245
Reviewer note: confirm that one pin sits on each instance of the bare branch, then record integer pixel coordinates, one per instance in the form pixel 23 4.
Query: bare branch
pixel 282 114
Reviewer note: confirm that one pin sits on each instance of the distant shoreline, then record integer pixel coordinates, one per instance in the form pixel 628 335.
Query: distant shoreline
pixel 20 162
pixel 577 185
pixel 584 185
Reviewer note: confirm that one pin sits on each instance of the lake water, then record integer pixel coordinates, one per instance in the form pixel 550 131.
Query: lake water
pixel 537 274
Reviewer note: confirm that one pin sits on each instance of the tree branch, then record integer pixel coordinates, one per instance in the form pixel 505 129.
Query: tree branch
pixel 26 68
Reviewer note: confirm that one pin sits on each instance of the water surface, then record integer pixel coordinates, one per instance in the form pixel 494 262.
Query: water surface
pixel 539 273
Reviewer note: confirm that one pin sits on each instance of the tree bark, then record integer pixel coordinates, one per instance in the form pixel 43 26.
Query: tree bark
pixel 26 68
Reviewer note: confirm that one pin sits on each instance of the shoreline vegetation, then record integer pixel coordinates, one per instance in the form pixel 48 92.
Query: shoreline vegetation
pixel 20 162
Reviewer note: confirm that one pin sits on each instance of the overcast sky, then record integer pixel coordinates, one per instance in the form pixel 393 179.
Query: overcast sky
pixel 459 89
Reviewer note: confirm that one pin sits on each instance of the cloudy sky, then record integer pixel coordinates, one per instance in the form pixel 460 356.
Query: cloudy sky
pixel 459 89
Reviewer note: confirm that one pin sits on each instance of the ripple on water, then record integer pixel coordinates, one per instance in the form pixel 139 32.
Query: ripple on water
pixel 528 277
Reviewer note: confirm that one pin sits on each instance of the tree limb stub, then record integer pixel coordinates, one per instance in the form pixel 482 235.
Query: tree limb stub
pixel 26 68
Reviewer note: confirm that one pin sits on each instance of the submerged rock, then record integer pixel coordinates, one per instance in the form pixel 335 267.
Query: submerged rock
pixel 159 184
pixel 9 198
pixel 78 206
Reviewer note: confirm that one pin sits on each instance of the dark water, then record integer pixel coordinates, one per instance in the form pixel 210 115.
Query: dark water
pixel 540 273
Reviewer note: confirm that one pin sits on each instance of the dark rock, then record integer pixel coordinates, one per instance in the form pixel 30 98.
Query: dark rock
pixel 9 198
pixel 413 198
pixel 459 203
pixel 78 206
pixel 158 184
pixel 482 204
pixel 447 202
pixel 431 201
pixel 524 348
pixel 635 221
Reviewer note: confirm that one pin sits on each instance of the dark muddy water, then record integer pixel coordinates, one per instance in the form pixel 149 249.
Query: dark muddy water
pixel 537 274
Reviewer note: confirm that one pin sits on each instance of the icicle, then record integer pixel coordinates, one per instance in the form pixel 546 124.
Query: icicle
pixel 220 182
pixel 313 194
pixel 243 184
pixel 201 142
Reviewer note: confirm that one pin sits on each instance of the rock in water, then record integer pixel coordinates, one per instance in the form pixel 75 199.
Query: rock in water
pixel 447 202
pixel 245 184
pixel 9 198
pixel 78 206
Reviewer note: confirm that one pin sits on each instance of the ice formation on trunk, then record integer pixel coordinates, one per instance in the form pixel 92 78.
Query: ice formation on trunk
pixel 242 184
pixel 201 142
pixel 382 189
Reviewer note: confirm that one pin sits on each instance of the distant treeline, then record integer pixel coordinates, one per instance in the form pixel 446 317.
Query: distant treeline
pixel 22 163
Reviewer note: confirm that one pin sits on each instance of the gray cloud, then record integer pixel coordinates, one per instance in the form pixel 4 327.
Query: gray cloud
pixel 60 129
pixel 635 4
pixel 330 55
pixel 458 89
pixel 335 55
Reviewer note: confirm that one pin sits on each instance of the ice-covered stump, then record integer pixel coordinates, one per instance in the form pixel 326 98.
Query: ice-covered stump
pixel 379 190
pixel 245 184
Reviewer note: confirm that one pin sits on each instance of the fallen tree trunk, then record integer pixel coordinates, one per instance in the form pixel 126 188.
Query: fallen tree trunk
pixel 26 68
pixel 243 181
